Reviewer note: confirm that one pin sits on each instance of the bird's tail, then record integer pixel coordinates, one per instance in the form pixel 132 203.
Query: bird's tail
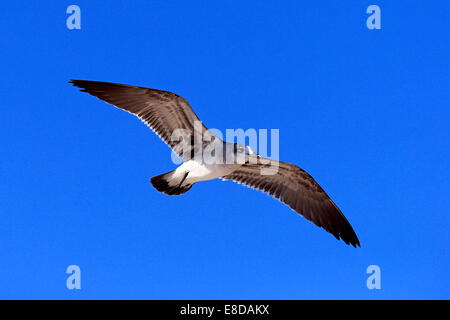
pixel 170 184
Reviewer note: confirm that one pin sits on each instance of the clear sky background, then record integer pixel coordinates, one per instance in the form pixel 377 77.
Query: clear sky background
pixel 365 112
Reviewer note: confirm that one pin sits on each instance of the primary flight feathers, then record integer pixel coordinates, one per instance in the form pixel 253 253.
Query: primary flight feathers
pixel 165 112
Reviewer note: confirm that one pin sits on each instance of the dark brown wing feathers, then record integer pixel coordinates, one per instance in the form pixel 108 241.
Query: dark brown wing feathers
pixel 162 111
pixel 296 188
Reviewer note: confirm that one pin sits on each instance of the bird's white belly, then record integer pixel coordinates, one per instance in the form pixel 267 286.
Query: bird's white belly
pixel 202 172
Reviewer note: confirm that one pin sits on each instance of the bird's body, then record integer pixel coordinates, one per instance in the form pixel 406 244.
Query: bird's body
pixel 206 157
pixel 199 171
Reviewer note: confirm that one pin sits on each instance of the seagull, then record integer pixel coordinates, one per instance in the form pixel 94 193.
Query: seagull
pixel 171 117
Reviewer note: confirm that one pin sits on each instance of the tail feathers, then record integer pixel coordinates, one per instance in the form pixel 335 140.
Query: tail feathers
pixel 167 184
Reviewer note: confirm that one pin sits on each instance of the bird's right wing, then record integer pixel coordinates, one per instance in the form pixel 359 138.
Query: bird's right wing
pixel 296 188
pixel 166 113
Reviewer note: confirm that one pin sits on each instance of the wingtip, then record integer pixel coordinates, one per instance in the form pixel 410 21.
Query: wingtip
pixel 84 85
pixel 355 243
pixel 349 239
pixel 75 82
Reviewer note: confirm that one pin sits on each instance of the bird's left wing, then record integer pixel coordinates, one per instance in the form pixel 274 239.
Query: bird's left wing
pixel 296 188
pixel 164 112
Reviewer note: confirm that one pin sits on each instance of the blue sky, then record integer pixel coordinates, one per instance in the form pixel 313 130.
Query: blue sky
pixel 365 112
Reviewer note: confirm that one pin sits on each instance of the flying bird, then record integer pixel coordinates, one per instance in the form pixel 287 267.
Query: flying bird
pixel 171 117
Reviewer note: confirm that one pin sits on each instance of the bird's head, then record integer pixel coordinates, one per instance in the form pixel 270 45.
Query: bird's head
pixel 244 153
pixel 240 149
